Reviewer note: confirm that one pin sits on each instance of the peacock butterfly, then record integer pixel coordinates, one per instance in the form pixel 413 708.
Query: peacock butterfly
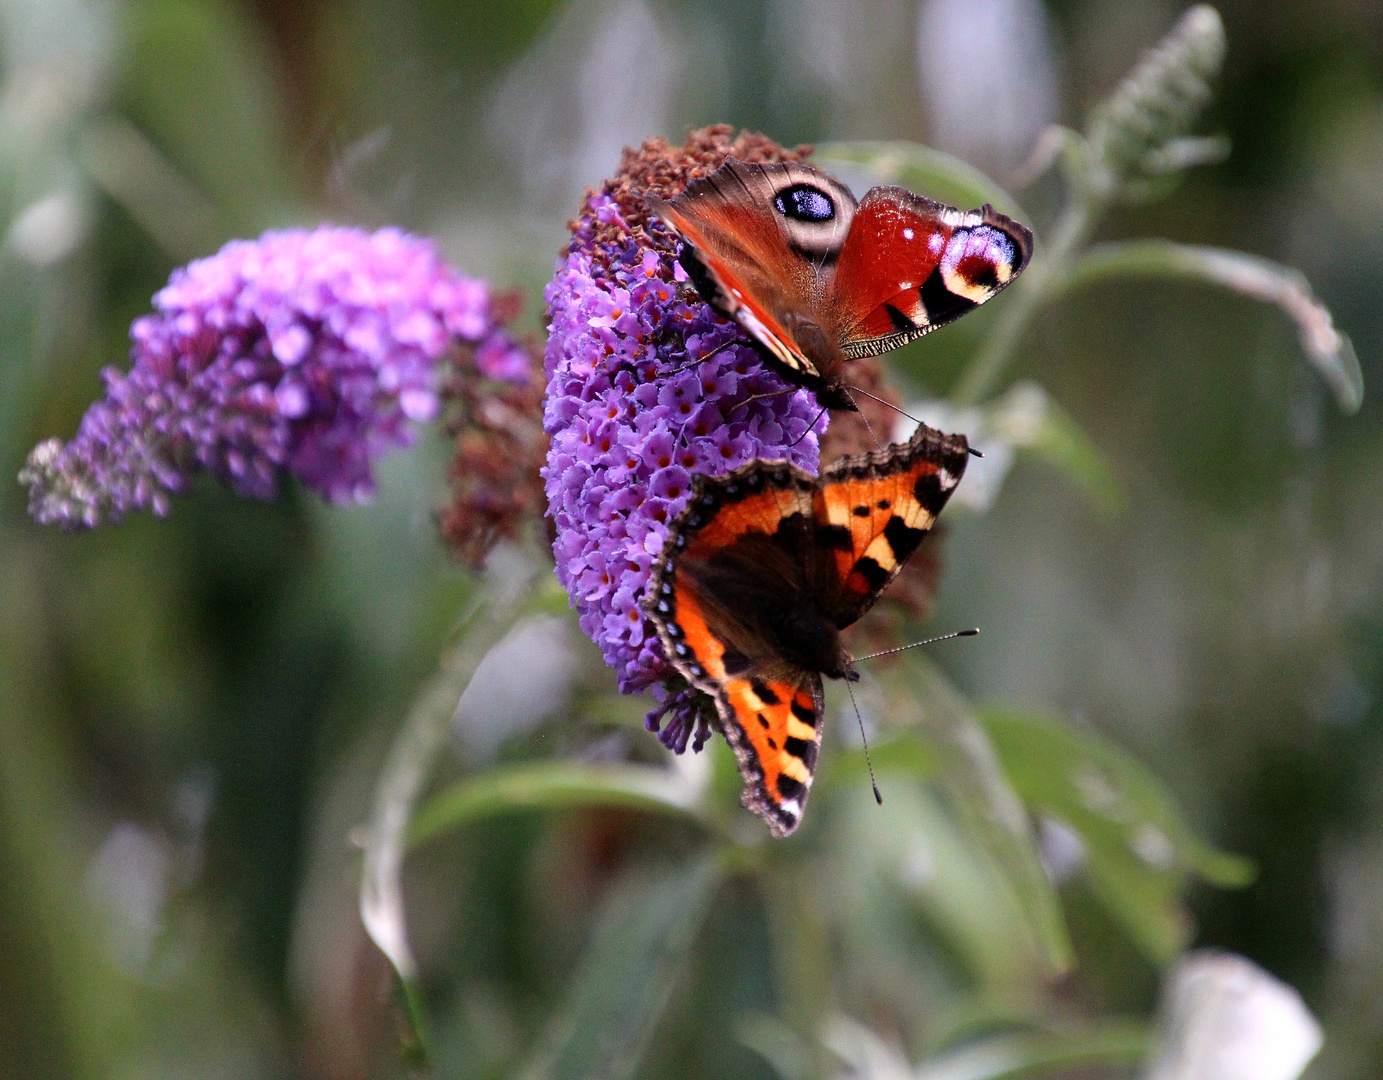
pixel 816 278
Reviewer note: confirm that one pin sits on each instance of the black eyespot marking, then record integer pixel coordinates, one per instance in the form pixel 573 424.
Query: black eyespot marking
pixel 901 538
pixel 789 788
pixel 835 537
pixel 875 576
pixel 763 720
pixel 803 202
pixel 927 490
pixel 861 511
pixel 884 504
pixel 773 744
pixel 803 751
pixel 764 692
pixel 939 302
pixel 736 663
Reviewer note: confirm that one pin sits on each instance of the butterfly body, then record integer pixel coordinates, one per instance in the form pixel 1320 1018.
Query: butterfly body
pixel 817 278
pixel 761 573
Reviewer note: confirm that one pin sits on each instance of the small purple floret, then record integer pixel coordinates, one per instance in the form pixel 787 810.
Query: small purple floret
pixel 636 405
pixel 306 351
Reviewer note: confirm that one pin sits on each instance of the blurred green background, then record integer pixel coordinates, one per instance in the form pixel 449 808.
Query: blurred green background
pixel 193 711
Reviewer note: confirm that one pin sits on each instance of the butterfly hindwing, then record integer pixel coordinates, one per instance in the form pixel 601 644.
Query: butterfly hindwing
pixel 774 728
pixel 911 265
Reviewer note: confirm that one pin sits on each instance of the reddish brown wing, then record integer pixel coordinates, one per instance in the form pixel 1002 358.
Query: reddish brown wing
pixel 753 250
pixel 887 500
pixel 911 265
pixel 769 710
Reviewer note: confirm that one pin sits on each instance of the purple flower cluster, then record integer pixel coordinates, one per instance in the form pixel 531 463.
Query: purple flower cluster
pixel 309 351
pixel 645 388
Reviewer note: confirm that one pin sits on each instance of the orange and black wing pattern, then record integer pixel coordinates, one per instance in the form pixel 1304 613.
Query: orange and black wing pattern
pixel 770 711
pixel 886 501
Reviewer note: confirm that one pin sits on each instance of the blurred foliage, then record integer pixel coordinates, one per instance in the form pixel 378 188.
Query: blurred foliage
pixel 1173 551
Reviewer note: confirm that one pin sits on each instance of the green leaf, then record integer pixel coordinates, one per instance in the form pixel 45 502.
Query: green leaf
pixel 921 169
pixel 406 768
pixel 916 693
pixel 1139 849
pixel 638 952
pixel 1328 350
pixel 1001 1057
pixel 554 785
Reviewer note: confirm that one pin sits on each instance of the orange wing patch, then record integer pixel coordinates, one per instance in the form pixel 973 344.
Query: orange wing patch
pixel 775 731
pixel 887 502
pixel 746 503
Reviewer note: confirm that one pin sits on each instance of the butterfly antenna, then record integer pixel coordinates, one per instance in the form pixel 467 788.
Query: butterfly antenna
pixel 867 425
pixel 809 429
pixel 865 739
pixel 890 404
pixel 915 644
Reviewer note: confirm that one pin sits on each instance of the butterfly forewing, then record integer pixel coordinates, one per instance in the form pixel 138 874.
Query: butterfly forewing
pixel 763 240
pixel 886 501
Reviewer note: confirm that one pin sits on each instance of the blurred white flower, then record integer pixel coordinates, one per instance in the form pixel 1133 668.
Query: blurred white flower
pixel 526 677
pixel 48 229
pixel 988 77
pixel 1225 1018
pixel 127 881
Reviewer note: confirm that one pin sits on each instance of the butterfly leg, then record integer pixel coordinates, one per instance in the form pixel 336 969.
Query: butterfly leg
pixel 771 393
pixel 702 359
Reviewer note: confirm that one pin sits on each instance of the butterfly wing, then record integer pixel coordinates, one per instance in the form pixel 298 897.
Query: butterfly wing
pixel 884 502
pixel 911 264
pixel 770 710
pixel 761 241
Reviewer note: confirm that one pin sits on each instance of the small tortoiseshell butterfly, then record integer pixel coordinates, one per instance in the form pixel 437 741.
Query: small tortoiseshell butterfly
pixel 817 279
pixel 761 572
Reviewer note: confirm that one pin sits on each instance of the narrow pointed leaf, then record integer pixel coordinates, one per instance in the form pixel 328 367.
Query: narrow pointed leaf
pixel 554 785
pixel 638 953
pixel 1008 1056
pixel 1328 350
pixel 917 693
pixel 1138 848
